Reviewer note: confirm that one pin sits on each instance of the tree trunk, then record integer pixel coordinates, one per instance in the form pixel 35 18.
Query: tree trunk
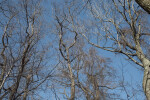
pixel 146 82
pixel 72 83
pixel 71 77
pixel 145 4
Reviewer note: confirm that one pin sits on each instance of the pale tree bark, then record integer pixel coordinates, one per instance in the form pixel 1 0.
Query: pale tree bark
pixel 146 65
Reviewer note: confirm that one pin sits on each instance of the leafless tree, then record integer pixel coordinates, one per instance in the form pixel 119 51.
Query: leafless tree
pixel 118 26
pixel 86 74
pixel 64 49
pixel 121 28
pixel 98 76
pixel 22 57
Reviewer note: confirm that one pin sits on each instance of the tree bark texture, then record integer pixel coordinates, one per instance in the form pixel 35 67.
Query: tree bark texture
pixel 146 82
pixel 145 4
